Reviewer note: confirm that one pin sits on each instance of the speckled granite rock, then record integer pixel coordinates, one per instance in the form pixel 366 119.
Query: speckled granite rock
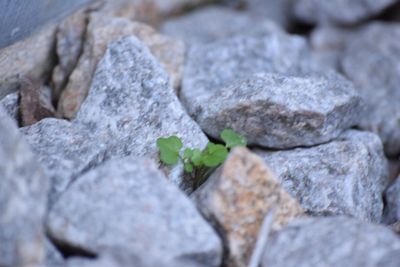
pixel 100 32
pixel 23 197
pixel 392 208
pixel 278 111
pixel 131 104
pixel 132 206
pixel 236 199
pixel 346 176
pixel 10 104
pixel 331 242
pixel 378 83
pixel 338 11
pixel 213 23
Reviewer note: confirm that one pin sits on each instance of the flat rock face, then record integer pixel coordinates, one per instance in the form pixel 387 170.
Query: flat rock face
pixel 338 11
pixel 346 176
pixel 102 30
pixel 331 242
pixel 278 111
pixel 10 104
pixel 392 208
pixel 214 23
pixel 23 199
pixel 133 207
pixel 378 83
pixel 131 103
pixel 236 199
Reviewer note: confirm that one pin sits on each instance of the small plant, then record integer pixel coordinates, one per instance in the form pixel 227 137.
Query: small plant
pixel 198 163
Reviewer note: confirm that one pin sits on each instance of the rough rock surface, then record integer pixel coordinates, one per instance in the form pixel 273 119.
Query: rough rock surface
pixel 23 196
pixel 65 150
pixel 213 23
pixel 378 83
pixel 338 11
pixel 101 31
pixel 131 103
pixel 330 242
pixel 10 104
pixel 278 111
pixel 53 257
pixel 392 208
pixel 132 206
pixel 30 57
pixel 236 199
pixel 346 176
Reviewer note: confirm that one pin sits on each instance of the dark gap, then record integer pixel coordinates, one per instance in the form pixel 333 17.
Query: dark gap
pixel 67 250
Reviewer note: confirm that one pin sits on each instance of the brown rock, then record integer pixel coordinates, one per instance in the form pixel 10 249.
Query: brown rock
pixel 237 197
pixel 32 57
pixel 35 102
pixel 102 30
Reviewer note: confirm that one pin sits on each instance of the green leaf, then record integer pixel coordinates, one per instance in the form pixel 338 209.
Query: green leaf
pixel 169 149
pixel 214 155
pixel 187 154
pixel 188 167
pixel 232 139
pixel 196 157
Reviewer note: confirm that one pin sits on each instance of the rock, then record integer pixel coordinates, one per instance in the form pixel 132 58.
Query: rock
pixel 344 177
pixel 396 227
pixel 329 242
pixel 65 150
pixel 213 23
pixel 132 207
pixel 35 103
pixel 30 57
pixel 131 104
pixel 69 45
pixel 53 257
pixel 10 104
pixel 392 198
pixel 338 11
pixel 279 111
pixel 101 31
pixel 23 196
pixel 236 199
pixel 378 83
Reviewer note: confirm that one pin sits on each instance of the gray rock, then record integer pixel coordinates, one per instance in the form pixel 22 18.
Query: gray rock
pixel 377 82
pixel 346 176
pixel 65 150
pixel 53 257
pixel 392 208
pixel 23 196
pixel 279 111
pixel 331 242
pixel 213 23
pixel 10 104
pixel 338 11
pixel 131 103
pixel 132 206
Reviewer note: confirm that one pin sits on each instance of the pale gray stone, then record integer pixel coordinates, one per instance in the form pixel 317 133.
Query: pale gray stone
pixel 339 11
pixel 214 23
pixel 23 199
pixel 332 242
pixel 131 103
pixel 346 176
pixel 129 204
pixel 392 208
pixel 10 104
pixel 279 111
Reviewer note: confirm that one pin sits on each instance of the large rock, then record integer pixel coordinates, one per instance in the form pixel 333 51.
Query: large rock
pixel 213 23
pixel 127 204
pixel 30 57
pixel 346 176
pixel 339 11
pixel 331 242
pixel 131 103
pixel 65 150
pixel 392 208
pixel 279 111
pixel 23 199
pixel 100 32
pixel 236 199
pixel 10 104
pixel 378 83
